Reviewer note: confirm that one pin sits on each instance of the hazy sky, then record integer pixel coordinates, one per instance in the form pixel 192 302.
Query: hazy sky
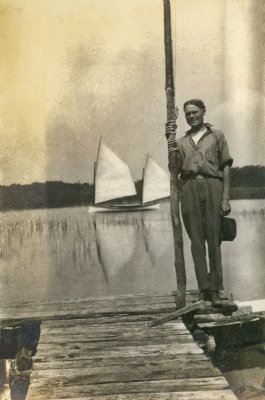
pixel 74 70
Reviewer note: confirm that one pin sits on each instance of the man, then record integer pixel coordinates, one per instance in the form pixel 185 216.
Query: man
pixel 205 173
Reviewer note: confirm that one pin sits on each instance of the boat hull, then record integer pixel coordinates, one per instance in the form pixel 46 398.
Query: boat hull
pixel 123 208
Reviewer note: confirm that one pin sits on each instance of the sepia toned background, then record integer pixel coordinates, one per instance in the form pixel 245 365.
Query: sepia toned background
pixel 72 71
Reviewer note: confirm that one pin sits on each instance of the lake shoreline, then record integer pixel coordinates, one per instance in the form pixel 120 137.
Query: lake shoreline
pixel 18 197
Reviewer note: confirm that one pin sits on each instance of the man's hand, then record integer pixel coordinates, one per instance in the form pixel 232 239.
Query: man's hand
pixel 171 127
pixel 226 207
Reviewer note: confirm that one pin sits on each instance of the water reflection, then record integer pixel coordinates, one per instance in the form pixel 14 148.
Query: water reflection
pixel 132 250
pixel 118 242
pixel 67 253
pixel 4 380
pixel 115 245
pixel 157 238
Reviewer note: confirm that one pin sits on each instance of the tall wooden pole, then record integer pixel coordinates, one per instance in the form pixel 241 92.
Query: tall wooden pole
pixel 174 167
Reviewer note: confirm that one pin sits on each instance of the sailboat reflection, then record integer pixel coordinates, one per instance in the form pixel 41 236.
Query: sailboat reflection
pixel 121 242
pixel 157 237
pixel 115 244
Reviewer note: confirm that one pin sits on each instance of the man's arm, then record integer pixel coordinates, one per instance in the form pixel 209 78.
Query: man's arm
pixel 226 207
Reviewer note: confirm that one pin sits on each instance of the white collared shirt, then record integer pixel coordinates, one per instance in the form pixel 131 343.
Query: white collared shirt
pixel 197 135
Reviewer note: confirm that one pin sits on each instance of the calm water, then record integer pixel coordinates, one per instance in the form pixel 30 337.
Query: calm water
pixel 67 253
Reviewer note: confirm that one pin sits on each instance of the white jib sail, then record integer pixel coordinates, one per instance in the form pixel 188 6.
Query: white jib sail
pixel 113 178
pixel 156 184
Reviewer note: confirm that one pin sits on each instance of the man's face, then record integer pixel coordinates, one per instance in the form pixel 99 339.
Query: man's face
pixel 194 115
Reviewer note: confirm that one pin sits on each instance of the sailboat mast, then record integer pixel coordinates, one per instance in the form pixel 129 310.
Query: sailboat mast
pixel 173 162
pixel 95 170
pixel 144 170
pixel 142 186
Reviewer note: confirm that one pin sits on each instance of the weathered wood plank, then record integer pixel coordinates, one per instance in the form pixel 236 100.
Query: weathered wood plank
pixel 102 304
pixel 109 345
pixel 122 373
pixel 125 320
pixel 71 351
pixel 137 297
pixel 9 314
pixel 113 340
pixel 98 306
pixel 177 359
pixel 101 320
pixel 155 386
pixel 199 395
pixel 123 331
pixel 31 315
pixel 46 310
pixel 120 324
pixel 178 328
pixel 179 313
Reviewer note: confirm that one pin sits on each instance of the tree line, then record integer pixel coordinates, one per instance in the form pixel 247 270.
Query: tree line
pixel 50 194
pixel 246 183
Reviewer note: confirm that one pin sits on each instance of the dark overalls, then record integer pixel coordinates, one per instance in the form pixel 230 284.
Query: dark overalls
pixel 201 201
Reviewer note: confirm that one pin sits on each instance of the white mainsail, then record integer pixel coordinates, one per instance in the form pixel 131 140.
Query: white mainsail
pixel 156 184
pixel 112 178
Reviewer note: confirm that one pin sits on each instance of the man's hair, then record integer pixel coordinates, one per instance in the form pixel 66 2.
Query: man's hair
pixel 195 102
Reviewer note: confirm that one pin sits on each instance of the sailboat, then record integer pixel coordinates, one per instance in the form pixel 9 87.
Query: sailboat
pixel 115 189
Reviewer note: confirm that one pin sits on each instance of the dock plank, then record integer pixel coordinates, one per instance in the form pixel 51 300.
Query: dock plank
pixel 107 351
pixel 155 386
pixel 113 362
pixel 147 298
pixel 91 307
pixel 132 351
pixel 148 372
pixel 199 395
pixel 54 313
pixel 120 330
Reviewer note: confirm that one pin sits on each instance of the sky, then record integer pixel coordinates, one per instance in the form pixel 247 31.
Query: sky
pixel 72 71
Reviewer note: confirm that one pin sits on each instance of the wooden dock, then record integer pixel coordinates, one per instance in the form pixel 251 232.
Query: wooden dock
pixel 106 350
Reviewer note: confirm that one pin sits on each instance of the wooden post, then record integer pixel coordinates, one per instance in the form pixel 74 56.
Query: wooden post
pixel 173 162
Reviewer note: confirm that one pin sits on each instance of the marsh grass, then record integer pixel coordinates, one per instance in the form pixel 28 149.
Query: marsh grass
pixel 72 234
pixel 67 252
pixel 35 245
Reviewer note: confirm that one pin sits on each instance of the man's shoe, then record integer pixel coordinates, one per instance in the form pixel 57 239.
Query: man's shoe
pixel 216 299
pixel 204 295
